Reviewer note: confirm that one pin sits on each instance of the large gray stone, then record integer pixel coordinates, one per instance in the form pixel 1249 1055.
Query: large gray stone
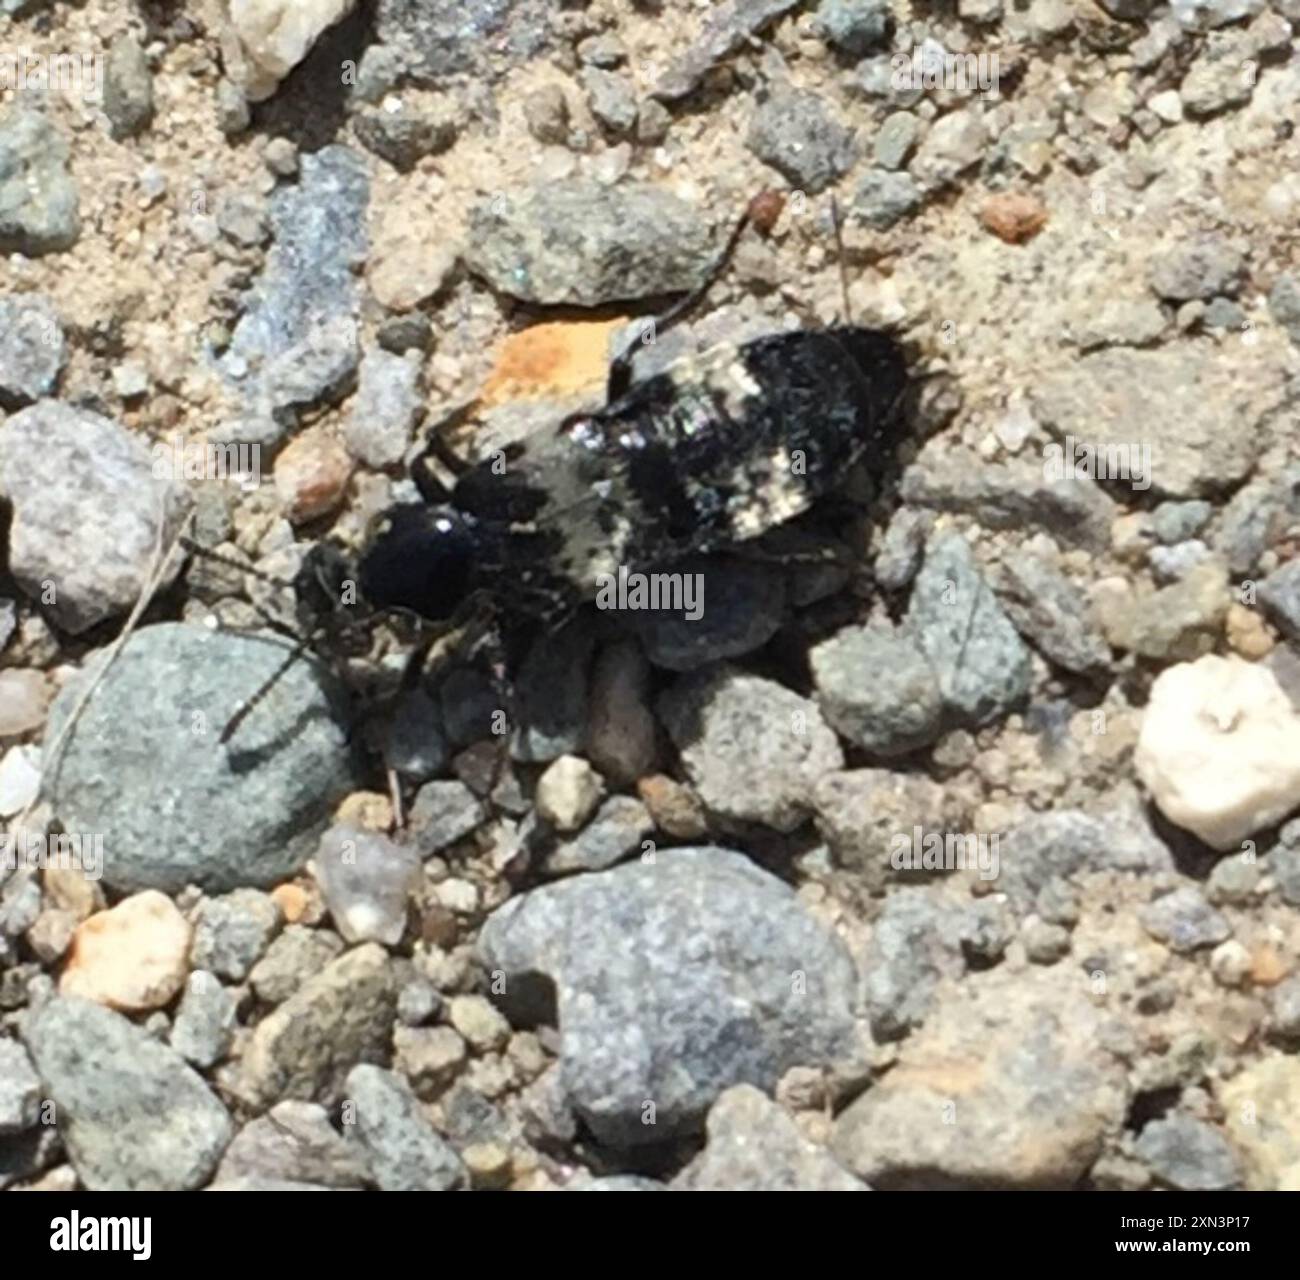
pixel 133 1115
pixel 675 979
pixel 144 766
pixel 87 507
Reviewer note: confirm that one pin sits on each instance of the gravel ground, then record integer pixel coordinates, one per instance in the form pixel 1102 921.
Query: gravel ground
pixel 959 859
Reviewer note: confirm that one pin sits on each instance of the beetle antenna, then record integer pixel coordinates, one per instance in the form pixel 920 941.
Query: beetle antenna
pixel 219 557
pixel 233 724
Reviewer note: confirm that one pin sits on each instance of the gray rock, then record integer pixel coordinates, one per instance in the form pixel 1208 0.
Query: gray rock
pixel 896 138
pixel 1010 495
pixel 1279 593
pixel 1052 614
pixel 1284 863
pixel 1180 621
pixel 902 548
pixel 743 605
pixel 611 99
pixel 1198 15
pixel 38 197
pixel 1284 304
pixel 322 368
pixel 319 226
pixel 1284 1010
pixel 754 1145
pixel 1255 518
pixel 32 349
pixel 295 1143
pixel 443 813
pixel 470 706
pixel 337 1019
pixel 1170 564
pixel 380 70
pixel 234 115
pixel 1198 268
pixel 86 510
pixel 793 131
pixel 385 410
pixel 1065 842
pixel 403 132
pixel 1184 921
pixel 410 332
pixel 551 696
pixel 1044 942
pixel 418 1002
pixel 204 1027
pixel 647 1045
pixel 232 933
pixel 299 953
pixel 964 1104
pixel 128 87
pixel 133 1115
pixel 954 143
pixel 20 1089
pixel 726 29
pixel 618 829
pixel 1173 402
pixel 241 218
pixel 860 813
pixel 367 881
pixel 915 943
pixel 1174 522
pixel 1188 1154
pixel 1215 81
pixel 20 903
pixel 443 38
pixel 403 1150
pixel 883 198
pixel 982 665
pixel 877 688
pixel 855 27
pixel 219 816
pixel 751 748
pixel 585 244
pixel 1232 880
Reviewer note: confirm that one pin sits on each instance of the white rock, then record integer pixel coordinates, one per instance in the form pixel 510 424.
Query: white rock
pixel 276 35
pixel 568 792
pixel 132 958
pixel 20 780
pixel 1219 749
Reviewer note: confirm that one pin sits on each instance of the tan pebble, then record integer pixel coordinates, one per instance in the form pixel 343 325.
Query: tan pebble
pixel 1013 216
pixel 131 958
pixel 1267 967
pixel 369 810
pixel 1248 634
pixel 403 272
pixel 311 475
pixel 24 699
pixel 676 809
pixel 488 1164
pixel 292 900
